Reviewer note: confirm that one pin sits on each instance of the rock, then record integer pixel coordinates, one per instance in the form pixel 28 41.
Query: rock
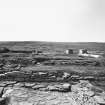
pixel 59 78
pixel 79 86
pixel 29 84
pixel 42 73
pixel 2 84
pixel 100 99
pixel 4 101
pixel 38 86
pixel 17 76
pixel 52 88
pixel 89 93
pixel 65 75
pixel 63 88
pixel 17 96
pixel 1 65
pixel 1 91
pixel 75 77
pixel 84 83
pixel 9 65
pixel 25 103
pixel 66 85
pixel 21 96
pixel 83 87
pixel 76 88
pixel 97 90
pixel 19 85
pixel 4 50
pixel 8 83
pixel 90 78
pixel 2 75
pixel 7 92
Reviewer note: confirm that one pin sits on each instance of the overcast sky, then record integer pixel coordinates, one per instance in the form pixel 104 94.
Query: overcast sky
pixel 53 20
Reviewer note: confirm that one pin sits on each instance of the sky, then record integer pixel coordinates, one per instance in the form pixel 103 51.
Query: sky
pixel 52 20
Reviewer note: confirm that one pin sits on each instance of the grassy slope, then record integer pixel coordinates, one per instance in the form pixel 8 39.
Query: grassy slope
pixel 58 48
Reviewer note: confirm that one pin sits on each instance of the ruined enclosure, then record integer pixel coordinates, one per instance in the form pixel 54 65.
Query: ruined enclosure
pixel 51 74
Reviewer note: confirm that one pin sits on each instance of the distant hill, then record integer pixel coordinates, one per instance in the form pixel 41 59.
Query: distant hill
pixel 53 46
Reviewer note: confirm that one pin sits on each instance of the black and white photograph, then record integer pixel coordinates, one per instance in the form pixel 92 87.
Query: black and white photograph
pixel 52 52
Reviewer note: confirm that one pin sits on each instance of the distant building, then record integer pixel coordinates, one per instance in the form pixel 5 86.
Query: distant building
pixel 69 51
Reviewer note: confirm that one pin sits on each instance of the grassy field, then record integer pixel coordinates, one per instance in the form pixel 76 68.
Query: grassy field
pixel 53 58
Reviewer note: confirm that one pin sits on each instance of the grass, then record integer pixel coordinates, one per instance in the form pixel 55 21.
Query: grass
pixel 55 59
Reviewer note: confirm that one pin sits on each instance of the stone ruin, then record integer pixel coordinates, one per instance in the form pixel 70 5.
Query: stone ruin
pixel 83 51
pixel 69 51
